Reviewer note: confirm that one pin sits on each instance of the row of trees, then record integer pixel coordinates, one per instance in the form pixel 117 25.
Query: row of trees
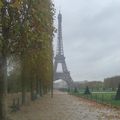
pixel 26 34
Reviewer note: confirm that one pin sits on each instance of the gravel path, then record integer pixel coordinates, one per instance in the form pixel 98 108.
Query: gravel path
pixel 64 107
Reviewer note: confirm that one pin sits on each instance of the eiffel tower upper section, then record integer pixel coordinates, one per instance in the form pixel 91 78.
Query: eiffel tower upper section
pixel 60 42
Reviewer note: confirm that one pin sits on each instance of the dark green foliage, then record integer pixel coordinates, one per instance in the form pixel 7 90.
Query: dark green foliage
pixel 75 90
pixel 117 97
pixel 87 91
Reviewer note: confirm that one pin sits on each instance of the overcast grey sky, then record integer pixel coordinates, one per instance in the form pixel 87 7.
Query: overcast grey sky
pixel 91 35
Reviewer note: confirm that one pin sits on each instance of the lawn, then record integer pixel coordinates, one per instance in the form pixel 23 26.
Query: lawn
pixel 101 97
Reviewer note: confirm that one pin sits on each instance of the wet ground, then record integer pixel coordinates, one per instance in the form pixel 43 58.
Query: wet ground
pixel 65 107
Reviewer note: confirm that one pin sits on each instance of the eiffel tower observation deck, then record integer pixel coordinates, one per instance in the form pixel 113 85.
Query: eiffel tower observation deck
pixel 60 58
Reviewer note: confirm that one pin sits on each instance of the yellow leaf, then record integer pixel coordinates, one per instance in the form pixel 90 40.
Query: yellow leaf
pixel 16 4
pixel 1 4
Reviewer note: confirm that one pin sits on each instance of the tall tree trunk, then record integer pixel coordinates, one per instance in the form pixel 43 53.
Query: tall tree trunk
pixel 3 88
pixel 41 88
pixel 38 88
pixel 3 65
pixel 23 79
pixel 32 90
pixel 3 78
pixel 51 88
pixel 23 92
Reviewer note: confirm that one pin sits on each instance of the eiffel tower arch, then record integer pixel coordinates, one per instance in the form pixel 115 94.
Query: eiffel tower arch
pixel 60 58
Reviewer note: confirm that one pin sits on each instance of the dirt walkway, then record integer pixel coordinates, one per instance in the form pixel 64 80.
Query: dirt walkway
pixel 64 107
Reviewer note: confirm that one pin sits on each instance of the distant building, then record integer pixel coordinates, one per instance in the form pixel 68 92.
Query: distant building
pixel 112 82
pixel 92 84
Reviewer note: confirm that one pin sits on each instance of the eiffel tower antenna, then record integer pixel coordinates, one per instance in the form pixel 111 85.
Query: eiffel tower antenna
pixel 60 42
pixel 59 58
pixel 59 9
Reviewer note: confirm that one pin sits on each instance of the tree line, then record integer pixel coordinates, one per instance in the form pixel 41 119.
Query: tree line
pixel 26 51
pixel 109 84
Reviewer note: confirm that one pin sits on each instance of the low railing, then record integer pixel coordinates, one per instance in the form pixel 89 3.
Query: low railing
pixel 107 98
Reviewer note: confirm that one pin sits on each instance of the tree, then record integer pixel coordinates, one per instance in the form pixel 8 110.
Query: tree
pixel 117 97
pixel 87 91
pixel 27 33
pixel 5 22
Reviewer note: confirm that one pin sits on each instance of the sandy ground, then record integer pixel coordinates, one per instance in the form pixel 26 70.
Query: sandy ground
pixel 64 107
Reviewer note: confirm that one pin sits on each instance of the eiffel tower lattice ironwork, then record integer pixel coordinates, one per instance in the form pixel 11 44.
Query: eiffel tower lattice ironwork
pixel 60 59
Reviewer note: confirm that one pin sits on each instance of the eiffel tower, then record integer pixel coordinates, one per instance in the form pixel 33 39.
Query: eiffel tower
pixel 60 59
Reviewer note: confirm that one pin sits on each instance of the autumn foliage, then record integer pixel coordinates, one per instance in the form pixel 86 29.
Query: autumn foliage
pixel 26 34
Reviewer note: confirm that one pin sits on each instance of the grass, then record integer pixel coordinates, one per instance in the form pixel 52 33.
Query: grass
pixel 101 97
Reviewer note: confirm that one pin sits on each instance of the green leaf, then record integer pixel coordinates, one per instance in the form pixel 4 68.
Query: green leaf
pixel 1 4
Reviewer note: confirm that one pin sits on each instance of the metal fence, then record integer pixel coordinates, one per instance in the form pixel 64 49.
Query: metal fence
pixel 107 98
